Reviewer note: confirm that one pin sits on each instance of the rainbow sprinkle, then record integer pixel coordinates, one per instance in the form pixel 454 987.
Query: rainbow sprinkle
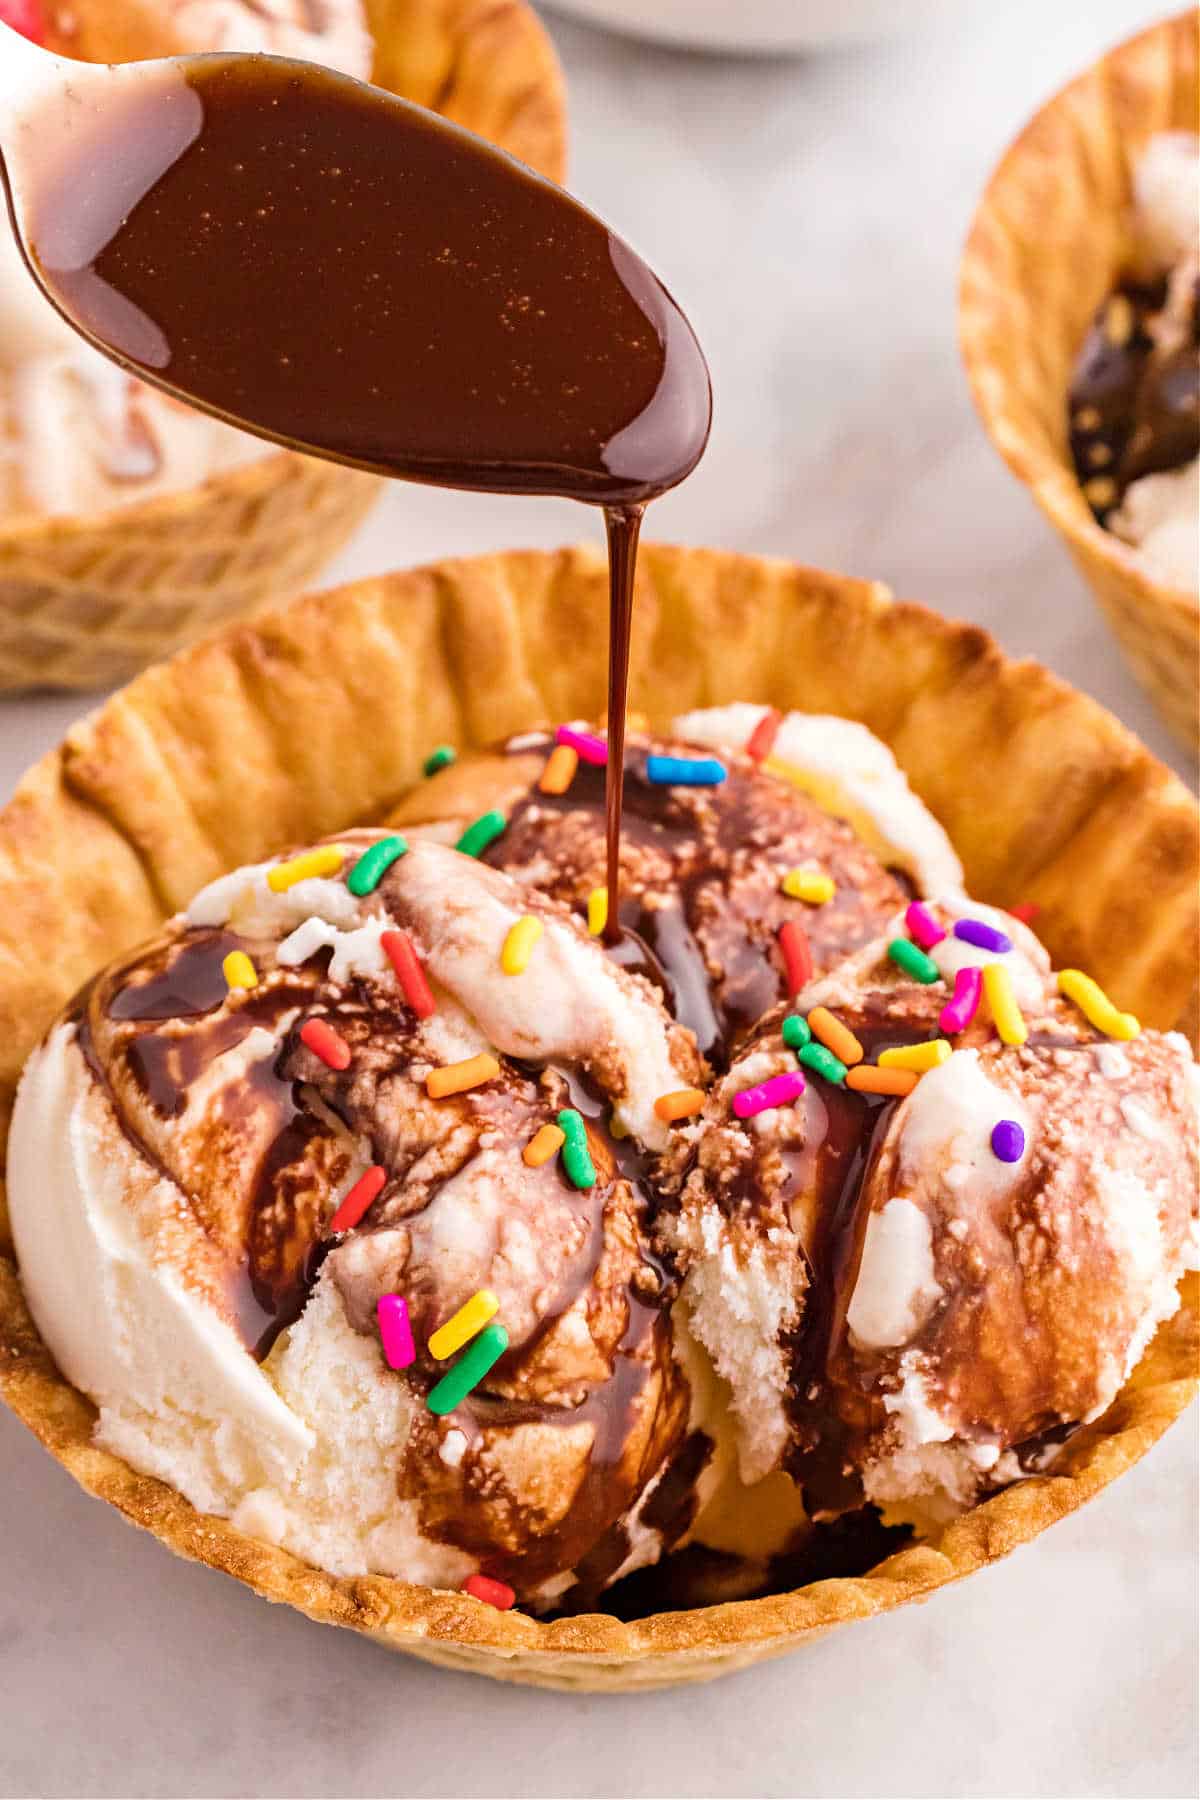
pixel 463 1325
pixel 808 885
pixel 867 1079
pixel 308 867
pixel 914 962
pixel 957 1013
pixel 597 911
pixel 923 928
pixel 546 1142
pixel 1008 1141
pixel 1096 1006
pixel 834 1035
pixel 796 1032
pixel 685 771
pixel 492 1593
pixel 588 747
pixel 797 956
pixel 397 947
pixel 519 943
pixel 395 1331
pixel 239 971
pixel 918 1057
pixel 983 936
pixel 577 1161
pixel 761 741
pixel 374 864
pixel 560 770
pixel 1002 1002
pixel 325 1043
pixel 822 1062
pixel 475 1362
pixel 780 1090
pixel 441 758
pixel 461 1077
pixel 358 1201
pixel 684 1103
pixel 486 829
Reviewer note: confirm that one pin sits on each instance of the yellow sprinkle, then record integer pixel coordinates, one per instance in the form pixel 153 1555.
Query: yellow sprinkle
pixel 786 771
pixel 518 945
pixel 616 1128
pixel 546 1142
pixel 467 1322
pixel 239 971
pixel 1096 1006
pixel 809 885
pixel 597 911
pixel 918 1057
pixel 325 861
pixel 460 1077
pixel 684 1103
pixel 1006 1014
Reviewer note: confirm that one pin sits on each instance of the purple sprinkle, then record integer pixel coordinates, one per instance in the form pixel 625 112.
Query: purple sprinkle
pixel 984 937
pixel 395 1330
pixel 777 1092
pixel 1008 1141
pixel 923 928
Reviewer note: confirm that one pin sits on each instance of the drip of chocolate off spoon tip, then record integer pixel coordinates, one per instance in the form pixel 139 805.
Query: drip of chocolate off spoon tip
pixel 339 271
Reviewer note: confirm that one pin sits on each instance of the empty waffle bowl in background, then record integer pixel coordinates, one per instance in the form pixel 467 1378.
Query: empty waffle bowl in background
pixel 88 598
pixel 200 766
pixel 1050 241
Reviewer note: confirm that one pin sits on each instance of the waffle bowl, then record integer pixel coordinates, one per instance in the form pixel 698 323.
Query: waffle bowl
pixel 319 716
pixel 87 600
pixel 1048 242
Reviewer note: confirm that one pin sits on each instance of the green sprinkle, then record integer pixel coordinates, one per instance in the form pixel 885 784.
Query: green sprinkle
pixel 822 1062
pixel 476 838
pixel 575 1156
pixel 796 1032
pixel 441 758
pixel 469 1370
pixel 914 962
pixel 373 865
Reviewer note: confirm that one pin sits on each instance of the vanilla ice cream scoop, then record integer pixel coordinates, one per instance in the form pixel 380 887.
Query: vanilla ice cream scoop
pixel 317 1092
pixel 917 1296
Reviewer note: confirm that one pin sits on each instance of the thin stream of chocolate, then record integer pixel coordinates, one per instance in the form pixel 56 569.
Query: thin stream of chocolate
pixel 624 525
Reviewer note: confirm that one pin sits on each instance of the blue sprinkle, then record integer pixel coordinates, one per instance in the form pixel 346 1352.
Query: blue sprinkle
pixel 984 937
pixel 1008 1141
pixel 685 771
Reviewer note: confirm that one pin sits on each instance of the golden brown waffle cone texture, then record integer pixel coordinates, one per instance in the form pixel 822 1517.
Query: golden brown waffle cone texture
pixel 85 601
pixel 319 716
pixel 1050 239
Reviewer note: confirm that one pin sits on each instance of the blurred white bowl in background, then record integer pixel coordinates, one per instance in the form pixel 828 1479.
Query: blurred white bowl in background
pixel 758 25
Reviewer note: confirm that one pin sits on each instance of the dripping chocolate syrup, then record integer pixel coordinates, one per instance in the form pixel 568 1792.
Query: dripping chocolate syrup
pixel 338 270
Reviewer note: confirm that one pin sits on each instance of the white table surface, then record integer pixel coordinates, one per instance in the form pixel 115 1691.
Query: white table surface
pixel 809 215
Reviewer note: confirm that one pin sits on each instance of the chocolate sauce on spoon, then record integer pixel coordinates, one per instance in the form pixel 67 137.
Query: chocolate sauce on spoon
pixel 341 271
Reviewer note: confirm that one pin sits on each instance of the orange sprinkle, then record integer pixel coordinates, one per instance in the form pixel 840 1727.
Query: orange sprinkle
pixel 546 1142
pixel 682 1104
pixel 835 1036
pixel 559 771
pixel 867 1079
pixel 457 1078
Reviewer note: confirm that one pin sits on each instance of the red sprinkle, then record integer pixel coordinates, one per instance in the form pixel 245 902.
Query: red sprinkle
pixel 797 956
pixel 397 946
pixel 364 1191
pixel 1027 911
pixel 326 1043
pixel 492 1593
pixel 762 738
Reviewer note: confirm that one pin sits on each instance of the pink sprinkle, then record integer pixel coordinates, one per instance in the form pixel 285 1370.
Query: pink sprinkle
pixel 777 1092
pixel 395 1330
pixel 590 749
pixel 923 928
pixel 957 1014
